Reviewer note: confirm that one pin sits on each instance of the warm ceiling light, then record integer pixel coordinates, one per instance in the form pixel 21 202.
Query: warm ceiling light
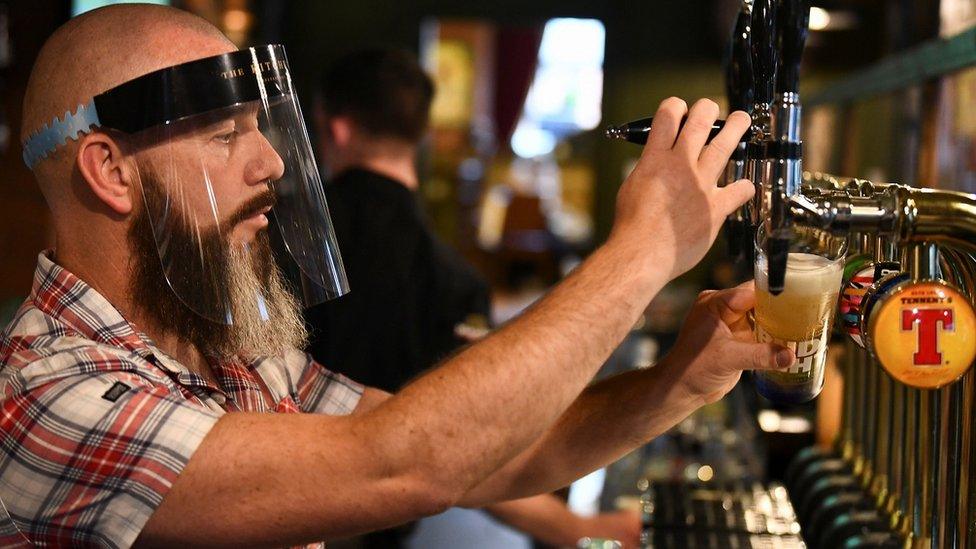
pixel 823 20
pixel 236 20
pixel 819 19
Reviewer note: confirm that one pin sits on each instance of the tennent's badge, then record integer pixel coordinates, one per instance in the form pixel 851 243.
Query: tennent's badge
pixel 924 334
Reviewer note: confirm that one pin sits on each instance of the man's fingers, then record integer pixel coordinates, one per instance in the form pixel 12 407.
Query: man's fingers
pixel 732 196
pixel 742 327
pixel 698 126
pixel 759 356
pixel 716 154
pixel 667 122
pixel 748 284
pixel 732 305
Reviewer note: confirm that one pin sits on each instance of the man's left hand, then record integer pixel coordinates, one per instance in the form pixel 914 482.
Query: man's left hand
pixel 716 344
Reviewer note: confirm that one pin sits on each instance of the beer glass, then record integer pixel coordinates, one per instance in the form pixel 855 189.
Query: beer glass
pixel 799 318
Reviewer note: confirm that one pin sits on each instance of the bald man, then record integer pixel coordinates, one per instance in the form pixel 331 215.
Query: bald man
pixel 133 414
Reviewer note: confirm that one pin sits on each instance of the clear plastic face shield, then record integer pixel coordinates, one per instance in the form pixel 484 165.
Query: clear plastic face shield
pixel 232 194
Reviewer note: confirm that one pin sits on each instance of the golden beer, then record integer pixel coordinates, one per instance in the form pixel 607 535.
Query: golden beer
pixel 800 319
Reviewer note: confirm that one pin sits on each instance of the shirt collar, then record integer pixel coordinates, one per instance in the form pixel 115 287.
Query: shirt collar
pixel 65 297
pixel 62 295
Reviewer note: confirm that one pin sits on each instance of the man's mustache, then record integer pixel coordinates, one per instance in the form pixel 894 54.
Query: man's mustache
pixel 250 208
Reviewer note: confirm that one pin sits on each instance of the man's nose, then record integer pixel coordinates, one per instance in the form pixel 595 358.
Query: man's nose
pixel 266 165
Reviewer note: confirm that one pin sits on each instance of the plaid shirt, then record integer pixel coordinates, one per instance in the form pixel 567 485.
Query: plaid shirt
pixel 96 423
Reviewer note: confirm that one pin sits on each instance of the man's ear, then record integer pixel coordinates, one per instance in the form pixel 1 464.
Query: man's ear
pixel 101 164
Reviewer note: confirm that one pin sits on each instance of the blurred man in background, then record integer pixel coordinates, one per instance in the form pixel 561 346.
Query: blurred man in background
pixel 414 299
pixel 411 289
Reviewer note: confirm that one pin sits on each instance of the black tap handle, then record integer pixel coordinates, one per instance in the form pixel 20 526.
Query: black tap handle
pixel 764 46
pixel 778 240
pixel 739 77
pixel 638 130
pixel 777 253
pixel 793 26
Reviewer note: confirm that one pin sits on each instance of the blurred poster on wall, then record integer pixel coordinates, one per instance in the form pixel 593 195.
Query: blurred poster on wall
pixel 956 132
pixel 454 75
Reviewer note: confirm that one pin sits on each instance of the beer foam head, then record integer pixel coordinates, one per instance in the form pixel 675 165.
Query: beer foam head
pixel 805 274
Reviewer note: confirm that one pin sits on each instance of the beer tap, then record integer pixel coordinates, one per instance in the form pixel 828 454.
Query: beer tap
pixel 863 516
pixel 739 88
pixel 784 145
pixel 907 487
pixel 908 214
pixel 764 58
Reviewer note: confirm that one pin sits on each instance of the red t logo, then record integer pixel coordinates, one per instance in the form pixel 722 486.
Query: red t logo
pixel 928 332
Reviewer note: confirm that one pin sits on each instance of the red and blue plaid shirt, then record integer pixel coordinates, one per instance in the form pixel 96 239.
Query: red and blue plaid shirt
pixel 96 423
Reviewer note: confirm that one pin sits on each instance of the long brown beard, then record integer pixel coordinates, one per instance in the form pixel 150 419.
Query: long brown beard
pixel 177 271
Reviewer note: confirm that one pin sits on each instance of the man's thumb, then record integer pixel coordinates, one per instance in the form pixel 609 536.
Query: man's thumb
pixel 759 356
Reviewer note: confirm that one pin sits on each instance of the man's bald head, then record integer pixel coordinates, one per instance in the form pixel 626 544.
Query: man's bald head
pixel 101 49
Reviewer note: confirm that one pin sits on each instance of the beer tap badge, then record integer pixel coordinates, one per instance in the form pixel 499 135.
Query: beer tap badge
pixel 924 334
pixel 863 274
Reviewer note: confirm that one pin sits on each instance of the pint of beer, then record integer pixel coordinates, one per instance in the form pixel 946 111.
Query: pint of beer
pixel 799 318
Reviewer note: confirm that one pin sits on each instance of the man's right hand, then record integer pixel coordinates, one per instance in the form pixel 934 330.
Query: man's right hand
pixel 670 203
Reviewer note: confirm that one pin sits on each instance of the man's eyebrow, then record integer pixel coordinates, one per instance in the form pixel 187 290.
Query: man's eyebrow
pixel 215 119
pixel 247 112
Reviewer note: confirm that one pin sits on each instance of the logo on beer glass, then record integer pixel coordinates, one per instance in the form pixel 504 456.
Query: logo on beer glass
pixel 924 334
pixel 809 352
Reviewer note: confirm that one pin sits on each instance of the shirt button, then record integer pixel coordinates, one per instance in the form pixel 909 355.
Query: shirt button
pixel 219 398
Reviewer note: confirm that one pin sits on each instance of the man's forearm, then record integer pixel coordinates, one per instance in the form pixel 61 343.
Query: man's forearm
pixel 471 416
pixel 608 420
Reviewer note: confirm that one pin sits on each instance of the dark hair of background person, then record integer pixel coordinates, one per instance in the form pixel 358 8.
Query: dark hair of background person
pixel 385 92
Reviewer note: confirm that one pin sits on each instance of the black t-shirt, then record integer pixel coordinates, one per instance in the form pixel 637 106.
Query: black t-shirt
pixel 408 289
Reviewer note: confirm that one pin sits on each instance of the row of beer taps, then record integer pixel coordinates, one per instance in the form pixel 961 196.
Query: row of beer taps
pixel 908 435
pixel 902 472
pixel 763 79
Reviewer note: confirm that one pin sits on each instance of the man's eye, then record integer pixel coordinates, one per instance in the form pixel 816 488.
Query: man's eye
pixel 226 138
